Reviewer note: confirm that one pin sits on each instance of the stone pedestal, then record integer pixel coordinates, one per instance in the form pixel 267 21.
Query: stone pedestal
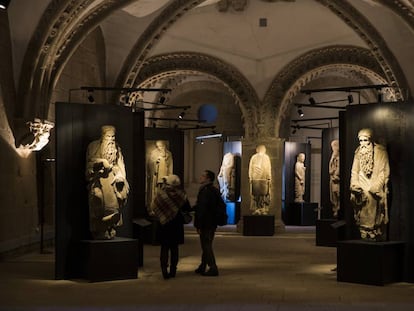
pixel 301 214
pixel 329 232
pixel 106 260
pixel 373 263
pixel 139 230
pixel 259 225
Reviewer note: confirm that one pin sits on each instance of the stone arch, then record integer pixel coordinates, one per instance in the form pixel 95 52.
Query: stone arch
pixel 367 32
pixel 64 24
pixel 307 67
pixel 61 29
pixel 195 63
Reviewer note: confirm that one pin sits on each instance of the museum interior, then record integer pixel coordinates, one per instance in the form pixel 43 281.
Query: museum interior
pixel 303 109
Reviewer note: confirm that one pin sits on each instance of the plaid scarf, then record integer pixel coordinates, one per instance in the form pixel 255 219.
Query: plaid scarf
pixel 167 203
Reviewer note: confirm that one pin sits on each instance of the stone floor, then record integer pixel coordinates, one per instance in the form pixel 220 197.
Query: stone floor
pixel 283 272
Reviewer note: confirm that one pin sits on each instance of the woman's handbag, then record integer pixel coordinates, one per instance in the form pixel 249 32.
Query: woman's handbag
pixel 187 218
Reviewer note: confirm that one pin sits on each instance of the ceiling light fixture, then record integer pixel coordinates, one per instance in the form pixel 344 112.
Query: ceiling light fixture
pixel 322 106
pixel 300 112
pixel 312 101
pixel 181 115
pixel 124 89
pixel 91 99
pixel 175 119
pixel 216 135
pixel 4 4
pixel 346 89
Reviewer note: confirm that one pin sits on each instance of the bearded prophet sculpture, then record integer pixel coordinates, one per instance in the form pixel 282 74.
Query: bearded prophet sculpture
pixel 107 185
pixel 369 187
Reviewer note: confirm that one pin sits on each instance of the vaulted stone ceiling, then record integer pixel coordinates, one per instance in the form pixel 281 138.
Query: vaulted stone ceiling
pixel 261 53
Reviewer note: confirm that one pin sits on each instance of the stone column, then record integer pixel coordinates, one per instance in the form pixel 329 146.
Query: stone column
pixel 274 149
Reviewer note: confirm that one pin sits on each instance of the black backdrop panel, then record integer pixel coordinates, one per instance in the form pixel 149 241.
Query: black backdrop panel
pixel 292 149
pixel 76 126
pixel 328 135
pixel 393 127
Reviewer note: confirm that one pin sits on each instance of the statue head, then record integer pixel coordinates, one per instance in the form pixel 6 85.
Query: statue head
pixel 365 136
pixel 335 146
pixel 301 157
pixel 108 132
pixel 160 145
pixel 261 149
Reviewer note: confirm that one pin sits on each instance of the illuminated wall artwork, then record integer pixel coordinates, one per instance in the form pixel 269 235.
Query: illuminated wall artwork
pixel 38 137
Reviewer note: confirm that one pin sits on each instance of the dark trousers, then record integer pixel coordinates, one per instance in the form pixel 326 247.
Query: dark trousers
pixel 206 241
pixel 166 250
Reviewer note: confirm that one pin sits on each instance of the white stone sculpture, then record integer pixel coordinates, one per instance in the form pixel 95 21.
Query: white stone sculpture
pixel 226 177
pixel 260 176
pixel 107 184
pixel 159 164
pixel 334 178
pixel 369 187
pixel 40 132
pixel 300 178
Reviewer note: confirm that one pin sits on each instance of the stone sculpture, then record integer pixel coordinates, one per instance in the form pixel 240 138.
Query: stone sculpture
pixel 107 184
pixel 369 187
pixel 260 175
pixel 159 164
pixel 334 178
pixel 300 178
pixel 226 177
pixel 40 133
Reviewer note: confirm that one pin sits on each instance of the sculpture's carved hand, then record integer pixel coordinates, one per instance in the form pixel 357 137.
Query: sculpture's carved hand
pixel 356 189
pixel 376 194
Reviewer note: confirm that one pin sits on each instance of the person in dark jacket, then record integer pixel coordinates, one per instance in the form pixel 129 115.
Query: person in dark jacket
pixel 168 203
pixel 205 222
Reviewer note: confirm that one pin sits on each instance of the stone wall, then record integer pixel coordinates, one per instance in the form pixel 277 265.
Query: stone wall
pixel 19 206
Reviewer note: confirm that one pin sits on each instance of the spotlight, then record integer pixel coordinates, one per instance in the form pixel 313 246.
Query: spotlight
pixel 295 129
pixel 350 99
pixel 300 112
pixel 90 97
pixel 379 96
pixel 126 99
pixel 4 4
pixel 202 142
pixel 181 115
pixel 312 101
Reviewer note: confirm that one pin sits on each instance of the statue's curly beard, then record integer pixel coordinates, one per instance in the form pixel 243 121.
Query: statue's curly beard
pixel 366 159
pixel 108 151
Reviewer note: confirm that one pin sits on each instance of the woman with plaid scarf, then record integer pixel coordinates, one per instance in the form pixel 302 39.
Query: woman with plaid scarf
pixel 167 205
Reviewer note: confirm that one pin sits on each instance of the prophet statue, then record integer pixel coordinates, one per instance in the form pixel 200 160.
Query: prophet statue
pixel 107 185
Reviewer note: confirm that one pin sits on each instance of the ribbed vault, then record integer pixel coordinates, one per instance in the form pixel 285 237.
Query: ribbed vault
pixel 197 63
pixel 287 84
pixel 66 23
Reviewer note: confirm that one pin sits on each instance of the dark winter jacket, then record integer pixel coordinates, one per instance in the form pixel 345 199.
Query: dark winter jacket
pixel 172 232
pixel 206 207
